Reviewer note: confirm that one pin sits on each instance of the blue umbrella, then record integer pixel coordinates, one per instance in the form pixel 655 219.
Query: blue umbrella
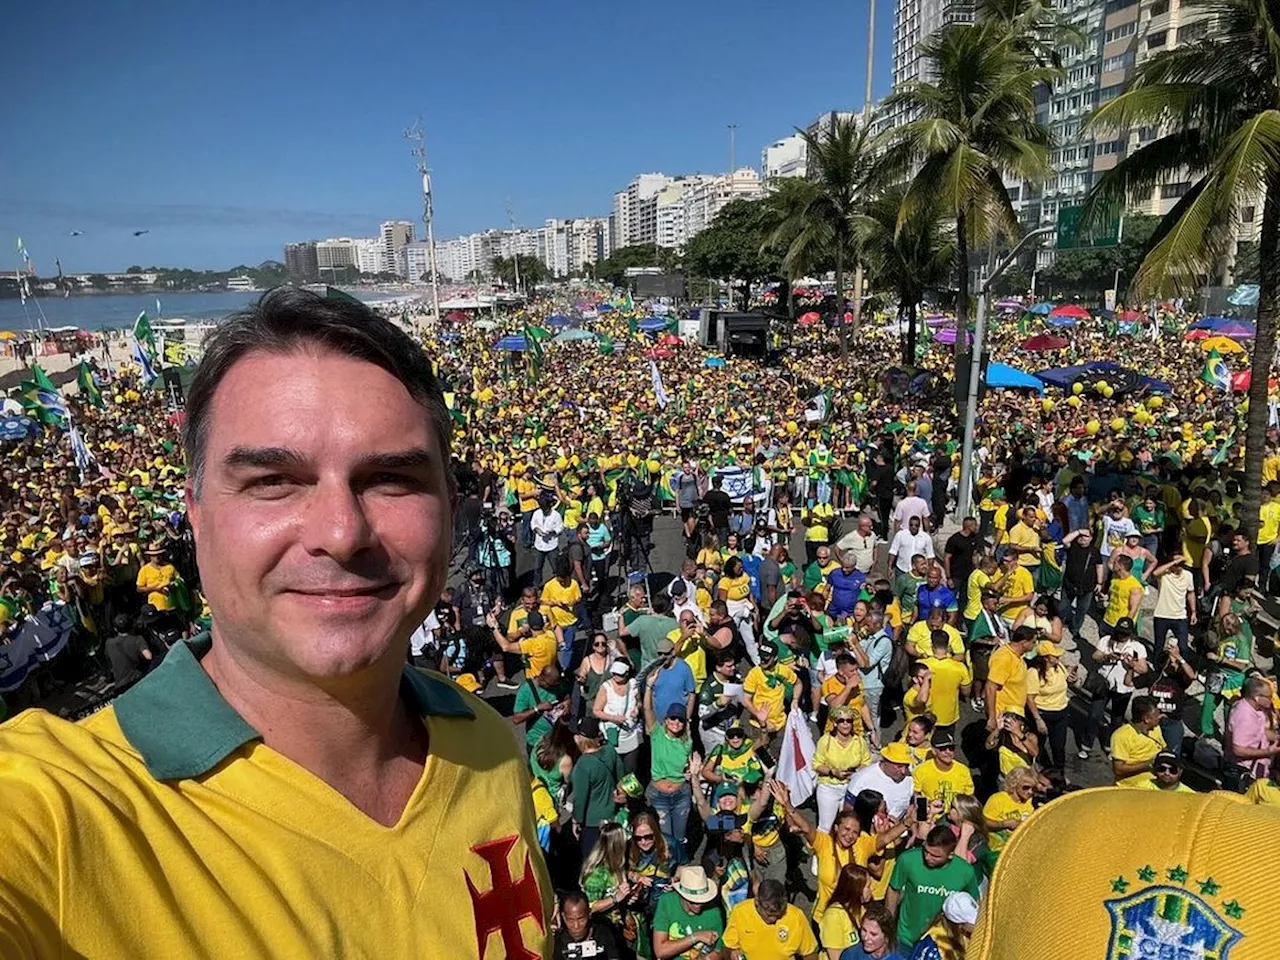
pixel 450 335
pixel 1062 321
pixel 1040 308
pixel 568 336
pixel 653 324
pixel 511 343
pixel 604 308
pixel 713 362
pixel 16 428
pixel 557 321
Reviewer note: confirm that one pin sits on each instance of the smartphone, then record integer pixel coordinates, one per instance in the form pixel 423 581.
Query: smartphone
pixel 922 809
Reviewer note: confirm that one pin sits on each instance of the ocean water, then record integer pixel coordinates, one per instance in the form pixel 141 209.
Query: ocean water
pixel 118 310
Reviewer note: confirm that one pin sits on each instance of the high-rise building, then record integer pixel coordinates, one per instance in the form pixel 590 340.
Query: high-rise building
pixel 335 253
pixel 709 195
pixel 395 235
pixel 787 157
pixel 635 210
pixel 915 22
pixel 417 256
pixel 370 255
pixel 300 261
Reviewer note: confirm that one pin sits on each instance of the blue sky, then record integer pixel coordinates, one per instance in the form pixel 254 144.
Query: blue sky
pixel 230 128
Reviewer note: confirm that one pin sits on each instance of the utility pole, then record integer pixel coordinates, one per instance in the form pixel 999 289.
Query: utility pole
pixel 733 135
pixel 866 119
pixel 515 251
pixel 417 140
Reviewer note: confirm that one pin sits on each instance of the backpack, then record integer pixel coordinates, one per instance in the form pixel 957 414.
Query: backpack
pixel 895 674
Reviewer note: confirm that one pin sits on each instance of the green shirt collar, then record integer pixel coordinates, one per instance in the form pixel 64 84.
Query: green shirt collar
pixel 176 718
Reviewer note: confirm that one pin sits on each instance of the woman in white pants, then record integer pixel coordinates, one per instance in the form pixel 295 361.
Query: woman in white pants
pixel 836 757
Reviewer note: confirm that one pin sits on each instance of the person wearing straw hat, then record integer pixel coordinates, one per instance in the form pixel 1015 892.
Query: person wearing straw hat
pixel 156 577
pixel 687 921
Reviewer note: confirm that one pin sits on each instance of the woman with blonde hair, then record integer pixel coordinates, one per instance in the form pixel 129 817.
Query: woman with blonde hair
pixel 603 877
pixel 1007 808
pixel 970 826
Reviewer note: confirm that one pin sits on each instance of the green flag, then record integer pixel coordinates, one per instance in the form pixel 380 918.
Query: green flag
pixel 605 345
pixel 143 333
pixel 41 379
pixel 88 389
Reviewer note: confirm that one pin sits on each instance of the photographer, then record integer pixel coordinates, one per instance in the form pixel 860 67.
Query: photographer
pixel 495 550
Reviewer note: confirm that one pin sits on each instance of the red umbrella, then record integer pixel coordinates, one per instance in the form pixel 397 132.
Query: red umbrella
pixel 659 353
pixel 669 340
pixel 1070 310
pixel 808 318
pixel 1241 379
pixel 1199 335
pixel 1044 341
pixel 1132 315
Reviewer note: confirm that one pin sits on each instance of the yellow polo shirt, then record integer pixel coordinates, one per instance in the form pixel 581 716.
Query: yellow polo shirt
pixel 789 937
pixel 164 826
pixel 944 785
pixel 1009 671
pixel 1131 745
pixel 554 592
pixel 157 578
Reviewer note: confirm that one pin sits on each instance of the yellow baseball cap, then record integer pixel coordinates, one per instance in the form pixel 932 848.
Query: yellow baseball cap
pixel 1123 874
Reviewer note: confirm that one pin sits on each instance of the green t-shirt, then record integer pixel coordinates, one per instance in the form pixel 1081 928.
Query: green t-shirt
pixel 594 777
pixel 668 755
pixel 924 889
pixel 671 918
pixel 538 726
pixel 905 588
pixel 648 629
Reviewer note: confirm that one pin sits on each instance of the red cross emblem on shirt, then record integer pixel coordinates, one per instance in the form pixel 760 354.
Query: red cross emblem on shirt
pixel 507 902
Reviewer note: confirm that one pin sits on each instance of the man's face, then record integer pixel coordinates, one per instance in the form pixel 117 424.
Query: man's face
pixel 1167 775
pixel 824 556
pixel 864 526
pixel 528 599
pixel 1239 543
pixel 935 857
pixel 691 908
pixel 919 566
pixel 914 525
pixel 934 577
pixel 771 915
pixel 969 527
pixel 576 917
pixel 323 529
pixel 897 772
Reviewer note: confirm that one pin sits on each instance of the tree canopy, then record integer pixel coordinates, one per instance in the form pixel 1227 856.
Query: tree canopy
pixel 733 248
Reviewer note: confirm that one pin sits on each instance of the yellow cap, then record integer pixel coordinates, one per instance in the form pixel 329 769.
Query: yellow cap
pixel 1119 874
pixel 896 752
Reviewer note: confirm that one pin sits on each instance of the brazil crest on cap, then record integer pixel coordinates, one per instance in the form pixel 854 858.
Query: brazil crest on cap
pixel 1181 919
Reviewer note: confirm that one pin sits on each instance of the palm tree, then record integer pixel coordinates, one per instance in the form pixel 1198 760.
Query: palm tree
pixel 1219 100
pixel 917 256
pixel 842 178
pixel 977 127
pixel 802 244
pixel 1037 28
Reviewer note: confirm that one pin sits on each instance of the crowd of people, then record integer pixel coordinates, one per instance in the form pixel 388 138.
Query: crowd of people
pixel 939 676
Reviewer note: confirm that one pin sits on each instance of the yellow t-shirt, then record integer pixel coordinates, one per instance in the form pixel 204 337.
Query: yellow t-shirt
pixel 527 491
pixel 1020 535
pixel 790 937
pixel 1195 537
pixel 1016 584
pixel 157 579
pixel 1118 598
pixel 831 753
pixel 1263 791
pixel 247 853
pixel 831 687
pixel 770 690
pixel 735 588
pixel 820 517
pixel 1009 671
pixel 920 640
pixel 1271 468
pixel 944 689
pixel 554 592
pixel 1131 745
pixel 538 650
pixel 944 785
pixel 1050 693
pixel 978 581
pixel 864 848
pixel 710 558
pixel 838 930
pixel 1269 522
pixel 1001 806
pixel 692 652
pixel 832 858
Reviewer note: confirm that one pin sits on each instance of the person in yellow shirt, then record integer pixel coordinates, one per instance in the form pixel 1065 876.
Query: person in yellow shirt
pixel 156 577
pixel 949 680
pixel 767 927
pixel 920 635
pixel 1017 588
pixel 1124 596
pixel 561 596
pixel 1135 744
pixel 767 691
pixel 835 759
pixel 1268 531
pixel 1007 808
pixel 1006 690
pixel 983 574
pixel 942 778
pixel 1024 540
pixel 1266 790
pixel 534 641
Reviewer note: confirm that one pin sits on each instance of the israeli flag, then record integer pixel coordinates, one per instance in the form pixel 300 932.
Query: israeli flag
pixel 659 391
pixel 142 360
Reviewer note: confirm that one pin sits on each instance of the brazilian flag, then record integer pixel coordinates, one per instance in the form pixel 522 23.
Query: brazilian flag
pixel 88 388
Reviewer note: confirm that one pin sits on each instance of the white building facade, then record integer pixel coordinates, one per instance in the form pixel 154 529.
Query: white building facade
pixel 787 157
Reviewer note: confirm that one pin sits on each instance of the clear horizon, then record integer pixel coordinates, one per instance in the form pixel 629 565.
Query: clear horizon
pixel 227 131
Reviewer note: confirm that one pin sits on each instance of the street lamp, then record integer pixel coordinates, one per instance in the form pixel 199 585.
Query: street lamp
pixel 965 498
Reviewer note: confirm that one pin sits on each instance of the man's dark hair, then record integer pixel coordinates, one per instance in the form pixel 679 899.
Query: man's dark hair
pixel 846 660
pixel 661 603
pixel 287 318
pixel 941 836
pixel 1252 687
pixel 575 897
pixel 717 482
pixel 1142 707
pixel 1022 635
pixel 772 896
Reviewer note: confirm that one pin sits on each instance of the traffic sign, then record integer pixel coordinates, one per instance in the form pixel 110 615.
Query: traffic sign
pixel 1104 232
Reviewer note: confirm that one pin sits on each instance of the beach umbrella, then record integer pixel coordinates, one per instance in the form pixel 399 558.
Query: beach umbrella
pixel 1013 306
pixel 659 353
pixel 1198 335
pixel 1131 315
pixel 653 324
pixel 1073 310
pixel 569 336
pixel 938 320
pixel 486 325
pixel 1221 344
pixel 8 335
pixel 1207 323
pixel 714 362
pixel 1044 341
pixel 1062 321
pixel 669 340
pixel 1237 330
pixel 557 322
pixel 514 342
pixel 809 318
pixel 448 336
pixel 16 428
pixel 1043 309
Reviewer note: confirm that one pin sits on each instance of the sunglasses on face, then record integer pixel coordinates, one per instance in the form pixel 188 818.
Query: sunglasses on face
pixel 641 837
pixel 1165 768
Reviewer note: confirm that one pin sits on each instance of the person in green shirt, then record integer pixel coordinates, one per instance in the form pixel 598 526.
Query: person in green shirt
pixel 594 779
pixel 688 922
pixel 907 585
pixel 669 749
pixel 649 628
pixel 923 878
pixel 539 703
pixel 1149 516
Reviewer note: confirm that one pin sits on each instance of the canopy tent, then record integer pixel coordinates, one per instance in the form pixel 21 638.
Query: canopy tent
pixel 1001 376
pixel 1063 377
pixel 1043 309
pixel 1044 341
pixel 569 336
pixel 514 342
pixel 1073 310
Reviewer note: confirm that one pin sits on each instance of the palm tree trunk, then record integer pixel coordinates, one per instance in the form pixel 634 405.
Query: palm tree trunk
pixel 909 349
pixel 857 297
pixel 1263 351
pixel 962 277
pixel 844 334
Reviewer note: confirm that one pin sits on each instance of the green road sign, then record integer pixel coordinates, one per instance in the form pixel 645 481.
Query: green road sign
pixel 1104 233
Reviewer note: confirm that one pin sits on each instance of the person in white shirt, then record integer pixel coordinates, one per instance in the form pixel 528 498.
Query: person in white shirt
pixel 1175 604
pixel 1121 658
pixel 862 543
pixel 891 777
pixel 547 525
pixel 911 506
pixel 907 544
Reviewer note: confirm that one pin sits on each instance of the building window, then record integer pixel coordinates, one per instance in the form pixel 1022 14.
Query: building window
pixel 1106 148
pixel 1172 191
pixel 1157 39
pixel 1110 93
pixel 1146 133
pixel 1118 62
pixel 1120 32
pixel 1191 32
pixel 1246 215
pixel 1159 8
